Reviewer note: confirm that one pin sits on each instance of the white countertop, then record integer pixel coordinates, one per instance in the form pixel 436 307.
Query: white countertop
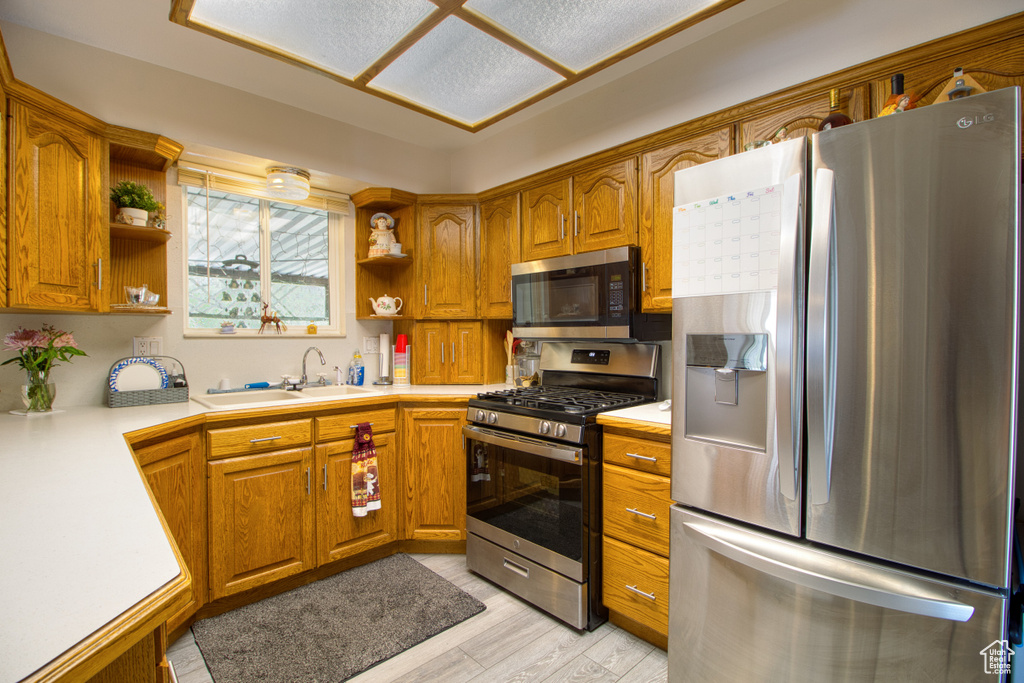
pixel 81 542
pixel 649 412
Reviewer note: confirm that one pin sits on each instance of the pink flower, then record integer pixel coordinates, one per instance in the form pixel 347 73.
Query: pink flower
pixel 64 339
pixel 25 339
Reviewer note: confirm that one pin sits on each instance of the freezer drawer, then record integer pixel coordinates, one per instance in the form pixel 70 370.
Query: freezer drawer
pixel 749 606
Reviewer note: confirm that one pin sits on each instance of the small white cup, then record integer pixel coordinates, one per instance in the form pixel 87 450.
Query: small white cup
pixel 396 248
pixel 225 383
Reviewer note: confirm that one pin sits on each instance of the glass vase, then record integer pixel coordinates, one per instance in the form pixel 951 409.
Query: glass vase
pixel 38 393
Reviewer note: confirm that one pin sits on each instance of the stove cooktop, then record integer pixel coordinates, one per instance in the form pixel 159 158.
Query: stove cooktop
pixel 557 400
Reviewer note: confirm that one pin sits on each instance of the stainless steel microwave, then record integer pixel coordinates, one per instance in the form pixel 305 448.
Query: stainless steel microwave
pixel 595 295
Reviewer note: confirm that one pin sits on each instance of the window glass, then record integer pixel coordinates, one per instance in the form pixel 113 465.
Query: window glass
pixel 245 252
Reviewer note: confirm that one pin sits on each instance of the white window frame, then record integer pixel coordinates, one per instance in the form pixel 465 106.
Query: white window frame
pixel 335 204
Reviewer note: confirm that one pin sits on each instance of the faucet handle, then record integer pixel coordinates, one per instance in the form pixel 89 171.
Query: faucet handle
pixel 323 378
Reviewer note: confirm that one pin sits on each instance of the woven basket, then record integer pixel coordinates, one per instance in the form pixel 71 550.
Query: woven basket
pixel 147 397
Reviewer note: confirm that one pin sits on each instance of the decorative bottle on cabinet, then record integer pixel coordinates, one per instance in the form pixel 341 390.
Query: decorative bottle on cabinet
pixel 835 117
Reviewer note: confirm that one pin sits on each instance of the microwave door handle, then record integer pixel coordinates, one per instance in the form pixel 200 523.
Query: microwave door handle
pixel 820 339
pixel 788 350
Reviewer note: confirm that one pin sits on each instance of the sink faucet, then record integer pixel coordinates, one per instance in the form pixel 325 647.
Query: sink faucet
pixel 323 361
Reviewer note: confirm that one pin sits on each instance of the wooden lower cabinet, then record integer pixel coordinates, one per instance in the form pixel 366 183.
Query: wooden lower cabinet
pixel 261 519
pixel 174 469
pixel 636 503
pixel 433 473
pixel 340 533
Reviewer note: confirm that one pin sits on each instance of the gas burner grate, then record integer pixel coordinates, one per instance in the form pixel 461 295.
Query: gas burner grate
pixel 568 400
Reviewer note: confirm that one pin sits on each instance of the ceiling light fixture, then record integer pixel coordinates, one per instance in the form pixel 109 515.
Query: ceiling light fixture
pixel 287 183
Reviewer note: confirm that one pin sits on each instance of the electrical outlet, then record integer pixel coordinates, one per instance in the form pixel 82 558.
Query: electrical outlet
pixel 371 344
pixel 147 346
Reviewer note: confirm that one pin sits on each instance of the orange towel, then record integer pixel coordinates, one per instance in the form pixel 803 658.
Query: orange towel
pixel 365 481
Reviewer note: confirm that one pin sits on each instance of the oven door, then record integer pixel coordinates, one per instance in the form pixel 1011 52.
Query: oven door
pixel 529 496
pixel 587 296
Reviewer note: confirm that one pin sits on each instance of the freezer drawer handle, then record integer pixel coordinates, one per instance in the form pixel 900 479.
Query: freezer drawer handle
pixel 641 457
pixel 642 514
pixel 732 545
pixel 516 568
pixel 636 590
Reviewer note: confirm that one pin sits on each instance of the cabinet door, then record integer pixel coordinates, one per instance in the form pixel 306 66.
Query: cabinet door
pixel 3 197
pixel 433 474
pixel 797 120
pixel 428 351
pixel 545 212
pixel 57 230
pixel 174 471
pixel 339 532
pixel 447 244
pixel 261 519
pixel 466 364
pixel 604 207
pixel 657 197
pixel 499 249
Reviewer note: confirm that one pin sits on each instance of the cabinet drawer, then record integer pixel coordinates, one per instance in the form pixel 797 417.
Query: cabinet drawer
pixel 631 500
pixel 334 427
pixel 639 454
pixel 628 570
pixel 269 436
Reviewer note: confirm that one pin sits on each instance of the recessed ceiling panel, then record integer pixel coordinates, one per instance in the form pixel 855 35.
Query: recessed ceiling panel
pixel 464 74
pixel 343 37
pixel 580 34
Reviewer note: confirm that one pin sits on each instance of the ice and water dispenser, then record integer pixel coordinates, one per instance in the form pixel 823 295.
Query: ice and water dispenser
pixel 727 389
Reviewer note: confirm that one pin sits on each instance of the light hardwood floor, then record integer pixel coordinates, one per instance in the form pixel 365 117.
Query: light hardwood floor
pixel 509 641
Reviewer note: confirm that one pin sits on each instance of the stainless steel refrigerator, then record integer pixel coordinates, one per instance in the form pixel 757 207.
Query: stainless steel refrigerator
pixel 845 370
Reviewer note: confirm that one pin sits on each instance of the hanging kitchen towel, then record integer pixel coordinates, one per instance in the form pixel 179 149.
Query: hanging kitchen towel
pixel 480 470
pixel 365 481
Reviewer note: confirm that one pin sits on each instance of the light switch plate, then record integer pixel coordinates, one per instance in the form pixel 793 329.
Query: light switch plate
pixel 371 344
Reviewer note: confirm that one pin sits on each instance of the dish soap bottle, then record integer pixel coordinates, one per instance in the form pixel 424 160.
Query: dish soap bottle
pixel 356 370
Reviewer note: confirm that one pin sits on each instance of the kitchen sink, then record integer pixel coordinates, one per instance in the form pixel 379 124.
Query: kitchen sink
pixel 336 390
pixel 245 398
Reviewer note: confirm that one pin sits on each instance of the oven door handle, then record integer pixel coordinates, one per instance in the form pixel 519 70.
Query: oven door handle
pixel 524 444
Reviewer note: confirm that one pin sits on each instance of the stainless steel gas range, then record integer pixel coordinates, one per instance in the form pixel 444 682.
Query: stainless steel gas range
pixel 534 474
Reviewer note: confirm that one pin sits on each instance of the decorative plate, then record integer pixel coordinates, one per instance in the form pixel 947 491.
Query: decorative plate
pixel 138 374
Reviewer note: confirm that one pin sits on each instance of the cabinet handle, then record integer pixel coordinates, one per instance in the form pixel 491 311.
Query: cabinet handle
pixel 576 223
pixel 266 438
pixel 636 590
pixel 453 353
pixel 641 457
pixel 99 274
pixel 516 568
pixel 643 276
pixel 442 353
pixel 561 220
pixel 325 476
pixel 642 514
pixel 308 483
pixel 354 426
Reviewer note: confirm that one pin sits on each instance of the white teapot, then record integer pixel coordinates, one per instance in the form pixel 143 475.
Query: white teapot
pixel 385 305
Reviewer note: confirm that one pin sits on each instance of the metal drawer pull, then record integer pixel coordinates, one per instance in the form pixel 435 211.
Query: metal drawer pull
pixel 516 568
pixel 642 514
pixel 266 438
pixel 354 426
pixel 640 592
pixel 641 457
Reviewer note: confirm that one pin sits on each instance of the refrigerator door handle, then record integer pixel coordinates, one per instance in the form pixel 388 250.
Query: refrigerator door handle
pixel 873 588
pixel 789 362
pixel 820 339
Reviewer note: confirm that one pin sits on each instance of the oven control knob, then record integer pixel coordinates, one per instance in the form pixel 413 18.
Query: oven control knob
pixel 492 418
pixel 480 416
pixel 545 427
pixel 560 431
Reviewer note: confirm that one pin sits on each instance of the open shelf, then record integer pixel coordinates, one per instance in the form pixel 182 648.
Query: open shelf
pixel 385 261
pixel 135 232
pixel 128 309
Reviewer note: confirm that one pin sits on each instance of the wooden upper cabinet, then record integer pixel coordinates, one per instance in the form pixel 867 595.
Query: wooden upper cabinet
pixel 604 207
pixel 657 197
pixel 3 194
pixel 802 118
pixel 447 262
pixel 499 249
pixel 546 210
pixel 58 234
pixel 447 352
